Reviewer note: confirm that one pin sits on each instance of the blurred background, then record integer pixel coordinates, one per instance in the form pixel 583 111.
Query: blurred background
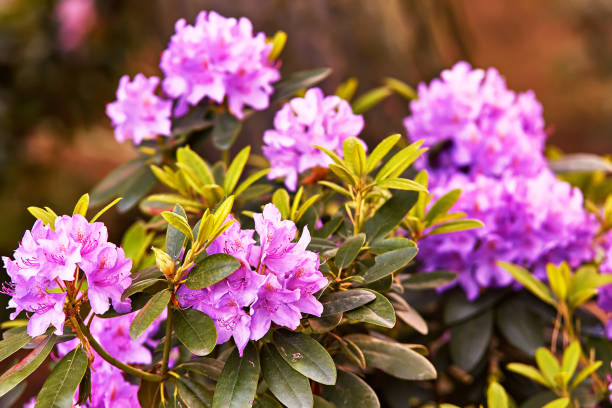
pixel 60 62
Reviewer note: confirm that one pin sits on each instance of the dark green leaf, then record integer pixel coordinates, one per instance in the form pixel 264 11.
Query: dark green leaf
pixel 393 358
pixel 388 263
pixel 319 402
pixel 389 215
pixel 520 327
pixel 114 183
pixel 306 356
pixel 175 239
pixel 379 312
pixel 238 382
pixel 351 391
pixel 58 390
pixel 225 131
pixel 469 340
pixel 290 387
pixel 324 324
pixel 320 245
pixel 193 121
pixel 148 394
pixel 147 315
pixel 211 270
pixel 85 388
pixel 193 394
pixel 428 280
pixel 407 314
pixel 345 300
pixel 139 185
pixel 288 86
pixel 196 331
pixel 13 343
pixel 266 401
pixel 389 244
pixel 329 227
pixel 459 308
pixel 10 398
pixel 349 250
pixel 140 286
pixel 25 367
pixel 206 366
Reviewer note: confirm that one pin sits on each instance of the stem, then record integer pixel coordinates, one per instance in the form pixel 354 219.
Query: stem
pixel 168 344
pixel 110 359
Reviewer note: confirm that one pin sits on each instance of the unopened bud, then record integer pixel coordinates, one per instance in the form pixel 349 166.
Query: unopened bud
pixel 164 263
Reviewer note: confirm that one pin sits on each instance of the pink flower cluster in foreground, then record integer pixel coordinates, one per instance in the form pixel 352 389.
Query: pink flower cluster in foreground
pixel 49 258
pixel 275 283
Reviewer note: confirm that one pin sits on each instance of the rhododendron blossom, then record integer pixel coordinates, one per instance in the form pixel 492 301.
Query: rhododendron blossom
pixel 218 57
pixel 275 283
pixel 315 119
pixel 48 258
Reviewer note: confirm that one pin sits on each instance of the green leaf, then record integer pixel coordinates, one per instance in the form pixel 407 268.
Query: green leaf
pixel 548 364
pixel 242 187
pixel 389 244
pixel 82 205
pixel 196 331
pixel 530 372
pixel 402 184
pixel 558 403
pixel 288 86
pixel 278 43
pixel 407 314
pixel 456 226
pixel 556 280
pixel 401 88
pixel 199 167
pixel 115 182
pixel 147 315
pixel 354 155
pixel 225 130
pixel 582 375
pixel 148 394
pixel 351 391
pixel 343 174
pixel 10 398
pixel 442 206
pixel 138 186
pixel 305 206
pixel 281 200
pixel 520 327
pixel 206 366
pixel 388 263
pixel 349 250
pixel 496 396
pixel 469 340
pixel 58 390
pixel 370 99
pixel 20 371
pixel 135 243
pixel 194 120
pixel 175 238
pixel 571 355
pixel 345 300
pixel 43 215
pixel 379 312
pixel 529 281
pixel 319 402
pixel 290 387
pixel 458 308
pixel 84 388
pixel 346 90
pixel 394 358
pixel 211 270
pixel 238 381
pixel 13 343
pixel 179 221
pixel 335 158
pixel 324 324
pixel 380 151
pixel 192 394
pixel 173 199
pixel 234 171
pixel 389 215
pixel 306 356
pixel 400 162
pixel 428 280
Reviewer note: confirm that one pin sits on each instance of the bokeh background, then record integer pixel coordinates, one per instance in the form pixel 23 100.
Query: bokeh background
pixel 60 63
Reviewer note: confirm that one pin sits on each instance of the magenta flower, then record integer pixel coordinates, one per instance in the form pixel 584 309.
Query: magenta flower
pixel 138 114
pixel 275 284
pixel 314 119
pixel 218 57
pixel 481 126
pixel 76 19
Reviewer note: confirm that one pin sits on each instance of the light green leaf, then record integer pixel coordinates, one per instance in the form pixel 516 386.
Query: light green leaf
pixel 43 215
pixel 281 200
pixel 370 99
pixel 82 205
pixel 234 171
pixel 496 396
pixel 346 90
pixel 380 151
pixel 571 355
pixel 250 180
pixel 582 375
pixel 548 364
pixel 442 206
pixel 529 281
pixel 199 167
pixel 530 372
pixel 558 403
pixel 178 221
pixel 456 226
pixel 401 88
pixel 175 238
pixel 354 155
pixel 400 162
pixel 402 184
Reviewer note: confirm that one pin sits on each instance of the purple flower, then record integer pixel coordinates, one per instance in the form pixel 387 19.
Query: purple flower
pixel 218 57
pixel 314 119
pixel 108 276
pixel 275 284
pixel 138 114
pixel 480 126
pixel 530 221
pixel 76 19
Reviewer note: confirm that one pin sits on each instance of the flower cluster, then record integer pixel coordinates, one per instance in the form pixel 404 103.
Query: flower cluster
pixel 47 262
pixel 274 284
pixel 138 114
pixel 76 19
pixel 108 386
pixel 215 58
pixel 530 221
pixel 477 125
pixel 314 119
